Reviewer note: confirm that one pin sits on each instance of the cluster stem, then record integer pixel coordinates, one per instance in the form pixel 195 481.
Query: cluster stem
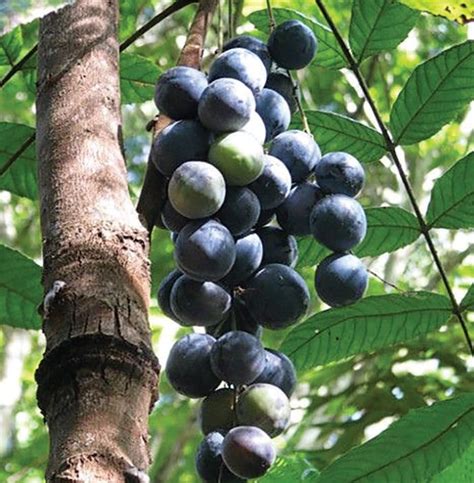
pixel 391 148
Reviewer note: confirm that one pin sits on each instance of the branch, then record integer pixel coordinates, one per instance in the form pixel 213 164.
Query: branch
pixel 153 192
pixel 17 154
pixel 19 65
pixel 391 147
pixel 173 8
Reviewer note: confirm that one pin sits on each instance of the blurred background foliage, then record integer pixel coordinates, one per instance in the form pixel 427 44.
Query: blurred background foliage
pixel 336 406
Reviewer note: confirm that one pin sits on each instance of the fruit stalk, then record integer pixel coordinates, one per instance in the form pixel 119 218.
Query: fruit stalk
pixel 391 147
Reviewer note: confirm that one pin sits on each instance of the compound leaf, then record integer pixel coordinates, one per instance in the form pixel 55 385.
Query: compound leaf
pixel 434 94
pixel 378 26
pixel 415 448
pixel 20 290
pixel 329 54
pixel 372 323
pixel 452 198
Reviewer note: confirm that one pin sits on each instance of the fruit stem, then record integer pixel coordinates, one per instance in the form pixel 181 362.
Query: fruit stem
pixel 391 148
pixel 230 18
pixel 385 282
pixel 296 88
pixel 271 18
pixel 234 406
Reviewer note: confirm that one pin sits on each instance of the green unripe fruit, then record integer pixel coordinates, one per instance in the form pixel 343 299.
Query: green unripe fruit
pixel 238 156
pixel 196 189
pixel 217 411
pixel 264 406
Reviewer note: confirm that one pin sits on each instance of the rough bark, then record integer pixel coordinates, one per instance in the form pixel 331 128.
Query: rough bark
pixel 98 379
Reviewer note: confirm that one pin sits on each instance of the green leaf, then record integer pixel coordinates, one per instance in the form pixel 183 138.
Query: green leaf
pixel 418 446
pixel 292 468
pixel 20 290
pixel 329 54
pixel 372 323
pixel 10 46
pixel 378 26
pixel 468 300
pixel 334 132
pixel 461 471
pixel 452 198
pixel 434 94
pixel 310 252
pixel 129 12
pixel 138 76
pixel 388 229
pixel 20 177
pixel 458 10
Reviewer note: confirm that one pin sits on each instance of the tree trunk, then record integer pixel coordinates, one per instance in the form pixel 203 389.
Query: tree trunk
pixel 98 379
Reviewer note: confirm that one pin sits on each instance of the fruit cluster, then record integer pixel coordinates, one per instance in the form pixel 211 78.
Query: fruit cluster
pixel 235 272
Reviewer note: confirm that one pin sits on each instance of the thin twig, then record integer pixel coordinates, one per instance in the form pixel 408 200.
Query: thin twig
pixel 385 282
pixel 271 18
pixel 391 147
pixel 17 154
pixel 173 8
pixel 296 88
pixel 19 65
pixel 294 82
pixel 230 19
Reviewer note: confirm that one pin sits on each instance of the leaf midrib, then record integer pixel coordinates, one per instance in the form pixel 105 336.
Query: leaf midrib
pixel 366 140
pixel 417 448
pixel 432 223
pixel 307 341
pixel 361 54
pixel 433 93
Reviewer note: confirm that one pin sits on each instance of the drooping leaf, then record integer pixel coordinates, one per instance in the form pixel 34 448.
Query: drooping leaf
pixel 138 76
pixel 310 252
pixel 329 54
pixel 20 290
pixel 10 46
pixel 292 468
pixel 20 177
pixel 460 10
pixel 378 26
pixel 436 91
pixel 334 132
pixel 461 471
pixel 372 323
pixel 418 446
pixel 388 229
pixel 468 300
pixel 452 198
